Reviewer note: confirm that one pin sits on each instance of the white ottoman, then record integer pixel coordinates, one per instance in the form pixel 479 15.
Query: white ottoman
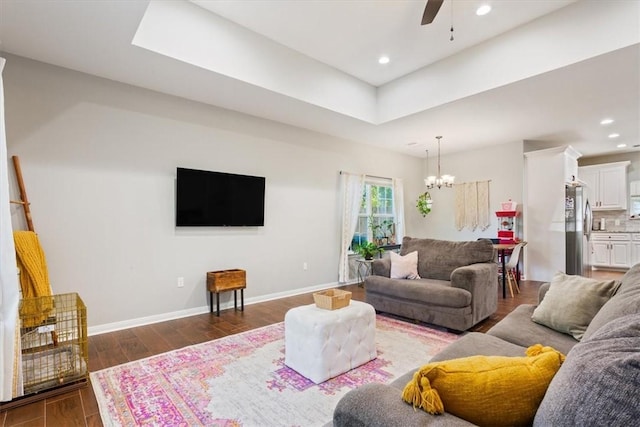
pixel 321 344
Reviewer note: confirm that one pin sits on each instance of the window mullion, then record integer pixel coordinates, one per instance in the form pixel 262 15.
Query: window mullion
pixel 370 236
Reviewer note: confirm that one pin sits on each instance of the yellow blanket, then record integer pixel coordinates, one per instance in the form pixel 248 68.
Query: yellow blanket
pixel 34 279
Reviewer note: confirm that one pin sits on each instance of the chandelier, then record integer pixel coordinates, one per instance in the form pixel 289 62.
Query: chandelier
pixel 440 180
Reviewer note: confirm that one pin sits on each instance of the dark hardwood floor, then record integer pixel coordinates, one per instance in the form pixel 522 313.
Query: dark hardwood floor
pixel 79 407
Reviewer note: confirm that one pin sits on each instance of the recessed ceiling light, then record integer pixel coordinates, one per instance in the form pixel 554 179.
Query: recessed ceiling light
pixel 606 121
pixel 383 60
pixel 614 135
pixel 621 145
pixel 483 10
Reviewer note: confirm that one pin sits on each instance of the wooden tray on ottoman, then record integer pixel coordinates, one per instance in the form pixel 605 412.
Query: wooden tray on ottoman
pixel 226 280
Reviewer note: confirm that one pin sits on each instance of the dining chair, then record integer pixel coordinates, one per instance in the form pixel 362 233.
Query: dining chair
pixel 511 266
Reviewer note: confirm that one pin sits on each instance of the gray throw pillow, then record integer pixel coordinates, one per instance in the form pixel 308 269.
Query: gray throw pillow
pixel 571 303
pixel 597 384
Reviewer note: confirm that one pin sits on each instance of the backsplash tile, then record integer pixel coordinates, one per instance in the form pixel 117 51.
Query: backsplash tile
pixel 626 224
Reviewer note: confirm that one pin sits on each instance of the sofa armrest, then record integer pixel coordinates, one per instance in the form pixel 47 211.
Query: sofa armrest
pixel 381 267
pixel 476 277
pixel 481 280
pixel 544 288
pixel 379 405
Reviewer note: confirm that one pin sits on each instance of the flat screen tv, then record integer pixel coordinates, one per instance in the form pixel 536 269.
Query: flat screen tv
pixel 217 199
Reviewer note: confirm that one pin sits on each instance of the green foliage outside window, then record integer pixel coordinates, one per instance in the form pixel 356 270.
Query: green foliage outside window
pixel 376 223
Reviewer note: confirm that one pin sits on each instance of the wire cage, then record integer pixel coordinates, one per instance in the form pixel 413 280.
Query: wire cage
pixel 55 347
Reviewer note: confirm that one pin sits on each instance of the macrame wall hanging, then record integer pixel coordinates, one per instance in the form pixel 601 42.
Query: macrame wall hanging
pixel 472 205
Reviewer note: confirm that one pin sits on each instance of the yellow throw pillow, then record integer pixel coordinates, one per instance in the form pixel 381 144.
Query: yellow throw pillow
pixel 486 390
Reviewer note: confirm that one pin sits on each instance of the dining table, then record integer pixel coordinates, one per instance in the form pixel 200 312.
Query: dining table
pixel 503 249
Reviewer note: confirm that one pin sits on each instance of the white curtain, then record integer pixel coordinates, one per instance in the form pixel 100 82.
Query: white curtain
pixel 351 191
pixel 398 205
pixel 10 372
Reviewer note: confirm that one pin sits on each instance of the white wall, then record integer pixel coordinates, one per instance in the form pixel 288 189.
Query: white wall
pixel 546 173
pixel 99 161
pixel 502 164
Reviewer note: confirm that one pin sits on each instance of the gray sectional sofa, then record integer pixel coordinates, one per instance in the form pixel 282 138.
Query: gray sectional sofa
pixel 598 384
pixel 457 288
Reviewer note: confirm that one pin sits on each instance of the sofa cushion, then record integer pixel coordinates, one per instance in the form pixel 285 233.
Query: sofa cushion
pixel 438 258
pixel 572 302
pixel 381 267
pixel 625 301
pixel 486 390
pixel 433 292
pixel 630 282
pixel 598 383
pixel 404 266
pixel 518 328
pixel 471 344
pixel 478 344
pixel 378 405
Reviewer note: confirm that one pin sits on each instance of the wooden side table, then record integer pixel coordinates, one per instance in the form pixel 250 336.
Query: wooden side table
pixel 226 280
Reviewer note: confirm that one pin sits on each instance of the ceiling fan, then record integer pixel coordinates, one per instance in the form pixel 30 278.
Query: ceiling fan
pixel 430 11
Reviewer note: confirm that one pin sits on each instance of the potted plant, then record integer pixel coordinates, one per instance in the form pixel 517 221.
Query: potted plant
pixel 424 204
pixel 368 250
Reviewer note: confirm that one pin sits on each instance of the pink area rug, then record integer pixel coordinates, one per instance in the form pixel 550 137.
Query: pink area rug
pixel 241 380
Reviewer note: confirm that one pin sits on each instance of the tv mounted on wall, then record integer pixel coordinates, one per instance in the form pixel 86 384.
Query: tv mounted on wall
pixel 217 199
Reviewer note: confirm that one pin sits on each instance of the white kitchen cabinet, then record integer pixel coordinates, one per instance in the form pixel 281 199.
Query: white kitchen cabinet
pixel 591 177
pixel 606 185
pixel 621 254
pixel 600 254
pixel 635 248
pixel 611 250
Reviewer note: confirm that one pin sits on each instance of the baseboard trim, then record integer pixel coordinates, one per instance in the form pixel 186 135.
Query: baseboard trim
pixel 148 320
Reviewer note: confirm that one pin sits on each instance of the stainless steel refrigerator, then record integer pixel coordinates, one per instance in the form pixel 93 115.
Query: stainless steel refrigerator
pixel 578 224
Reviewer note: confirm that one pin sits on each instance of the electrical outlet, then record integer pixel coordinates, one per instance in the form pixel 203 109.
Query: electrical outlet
pixel 181 282
pixel 305 266
pixel 617 222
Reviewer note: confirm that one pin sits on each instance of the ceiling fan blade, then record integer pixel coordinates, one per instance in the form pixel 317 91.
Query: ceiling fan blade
pixel 430 11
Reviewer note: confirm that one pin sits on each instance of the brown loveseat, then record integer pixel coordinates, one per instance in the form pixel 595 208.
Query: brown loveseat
pixel 457 288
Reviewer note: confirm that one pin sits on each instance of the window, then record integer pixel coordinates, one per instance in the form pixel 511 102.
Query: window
pixel 376 222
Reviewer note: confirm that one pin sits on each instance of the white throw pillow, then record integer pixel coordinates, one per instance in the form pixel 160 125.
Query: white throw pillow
pixel 404 267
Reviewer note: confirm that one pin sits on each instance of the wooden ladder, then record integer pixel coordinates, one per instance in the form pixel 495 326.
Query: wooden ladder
pixel 24 201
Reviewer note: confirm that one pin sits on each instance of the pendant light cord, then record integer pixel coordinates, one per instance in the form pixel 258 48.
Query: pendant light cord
pixel 439 138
